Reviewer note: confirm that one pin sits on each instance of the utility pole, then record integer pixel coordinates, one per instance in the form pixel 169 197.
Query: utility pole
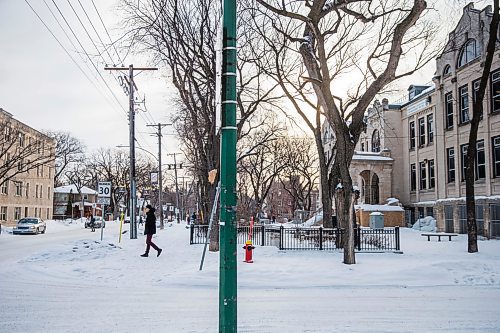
pixel 228 263
pixel 176 187
pixel 160 179
pixel 131 119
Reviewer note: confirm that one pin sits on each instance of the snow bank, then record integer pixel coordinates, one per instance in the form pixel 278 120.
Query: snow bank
pixel 427 223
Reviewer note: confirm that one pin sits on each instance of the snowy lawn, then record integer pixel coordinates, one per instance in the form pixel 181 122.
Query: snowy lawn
pixel 69 281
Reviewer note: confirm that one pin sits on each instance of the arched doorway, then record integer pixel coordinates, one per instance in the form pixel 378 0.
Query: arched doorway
pixel 370 187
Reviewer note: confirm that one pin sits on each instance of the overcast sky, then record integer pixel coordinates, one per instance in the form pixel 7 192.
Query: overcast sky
pixel 42 87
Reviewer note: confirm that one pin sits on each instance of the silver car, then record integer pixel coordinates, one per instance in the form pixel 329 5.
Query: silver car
pixel 30 225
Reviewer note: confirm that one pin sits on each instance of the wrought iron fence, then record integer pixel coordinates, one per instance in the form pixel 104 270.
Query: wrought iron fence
pixel 366 239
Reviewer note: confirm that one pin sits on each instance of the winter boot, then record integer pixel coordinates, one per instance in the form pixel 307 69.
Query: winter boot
pixel 144 255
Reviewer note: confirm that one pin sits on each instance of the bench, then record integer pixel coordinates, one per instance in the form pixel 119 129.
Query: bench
pixel 439 235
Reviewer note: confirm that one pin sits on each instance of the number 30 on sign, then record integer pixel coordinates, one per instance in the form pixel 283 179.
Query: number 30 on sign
pixel 104 189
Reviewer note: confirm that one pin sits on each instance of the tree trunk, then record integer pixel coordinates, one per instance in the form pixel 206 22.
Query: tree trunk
pixel 349 257
pixel 477 111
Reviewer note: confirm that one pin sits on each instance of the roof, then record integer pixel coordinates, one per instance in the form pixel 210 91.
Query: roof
pixel 72 189
pixel 380 208
pixel 369 156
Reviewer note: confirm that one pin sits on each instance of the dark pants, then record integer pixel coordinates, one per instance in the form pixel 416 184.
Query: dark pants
pixel 149 243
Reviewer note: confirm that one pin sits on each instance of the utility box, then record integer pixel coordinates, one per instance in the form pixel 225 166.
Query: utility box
pixel 377 220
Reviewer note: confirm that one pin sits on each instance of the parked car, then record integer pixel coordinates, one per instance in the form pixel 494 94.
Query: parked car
pixel 30 225
pixel 98 222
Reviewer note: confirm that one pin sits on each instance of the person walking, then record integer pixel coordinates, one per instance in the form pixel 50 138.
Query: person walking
pixel 150 230
pixel 92 222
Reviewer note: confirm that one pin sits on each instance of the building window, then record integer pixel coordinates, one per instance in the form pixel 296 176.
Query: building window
pixel 421 132
pixel 413 177
pixel 375 141
pixel 496 155
pixel 17 213
pixel 21 139
pixel 480 160
pixel 19 188
pixel 48 213
pixel 412 134
pixel 450 152
pixel 463 159
pixel 447 70
pixel 26 212
pixel 362 146
pixel 480 171
pixel 41 191
pixel 36 211
pixel 48 192
pixel 36 191
pixel 495 91
pixel 423 176
pixel 475 88
pixel 6 133
pixel 432 176
pixel 449 110
pixel 4 189
pixel 430 128
pixel 464 104
pixel 27 190
pixel 469 52
pixel 3 213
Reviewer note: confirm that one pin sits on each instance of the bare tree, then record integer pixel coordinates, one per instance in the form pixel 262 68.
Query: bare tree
pixel 20 154
pixel 341 42
pixel 69 150
pixel 300 174
pixel 183 36
pixel 477 112
pixel 262 161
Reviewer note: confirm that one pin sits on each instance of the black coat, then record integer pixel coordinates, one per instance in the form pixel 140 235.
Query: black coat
pixel 150 225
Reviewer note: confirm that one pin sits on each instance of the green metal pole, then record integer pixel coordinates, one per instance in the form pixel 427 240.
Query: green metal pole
pixel 228 269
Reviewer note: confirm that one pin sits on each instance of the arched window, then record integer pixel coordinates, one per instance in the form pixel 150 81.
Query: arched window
pixel 375 141
pixel 447 70
pixel 469 52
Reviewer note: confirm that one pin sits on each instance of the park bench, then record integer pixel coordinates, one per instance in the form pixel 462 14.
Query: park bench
pixel 439 235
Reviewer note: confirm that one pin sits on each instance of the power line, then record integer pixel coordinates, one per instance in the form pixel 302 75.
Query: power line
pixel 95 30
pixel 65 50
pixel 88 56
pixel 74 46
pixel 107 32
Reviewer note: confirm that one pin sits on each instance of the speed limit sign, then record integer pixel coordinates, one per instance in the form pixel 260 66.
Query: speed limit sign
pixel 104 189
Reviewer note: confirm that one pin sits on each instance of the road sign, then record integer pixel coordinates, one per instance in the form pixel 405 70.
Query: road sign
pixel 103 201
pixel 104 189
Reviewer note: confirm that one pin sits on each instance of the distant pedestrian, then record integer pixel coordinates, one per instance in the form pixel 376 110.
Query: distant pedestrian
pixel 150 230
pixel 92 222
pixel 193 218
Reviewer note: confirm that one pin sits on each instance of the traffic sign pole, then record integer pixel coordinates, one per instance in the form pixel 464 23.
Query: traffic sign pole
pixel 103 198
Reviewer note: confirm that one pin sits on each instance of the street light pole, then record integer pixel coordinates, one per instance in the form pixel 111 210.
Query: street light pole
pixel 227 262
pixel 160 178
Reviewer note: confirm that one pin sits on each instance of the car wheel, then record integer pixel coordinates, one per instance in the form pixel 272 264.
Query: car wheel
pixel 37 231
pixel 44 230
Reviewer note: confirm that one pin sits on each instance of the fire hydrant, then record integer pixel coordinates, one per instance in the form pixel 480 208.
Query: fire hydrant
pixel 248 251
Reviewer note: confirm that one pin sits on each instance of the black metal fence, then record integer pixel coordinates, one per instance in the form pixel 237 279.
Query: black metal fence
pixel 366 240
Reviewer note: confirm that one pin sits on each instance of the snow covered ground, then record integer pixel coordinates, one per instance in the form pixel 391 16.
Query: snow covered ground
pixel 67 280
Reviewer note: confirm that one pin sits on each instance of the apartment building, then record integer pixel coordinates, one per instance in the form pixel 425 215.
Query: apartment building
pixel 27 159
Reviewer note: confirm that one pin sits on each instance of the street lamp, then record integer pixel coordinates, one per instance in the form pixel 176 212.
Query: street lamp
pixel 160 183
